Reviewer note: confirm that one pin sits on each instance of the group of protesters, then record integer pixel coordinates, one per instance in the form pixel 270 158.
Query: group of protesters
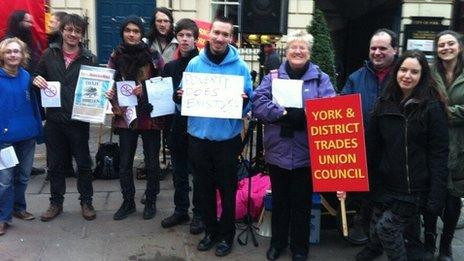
pixel 413 115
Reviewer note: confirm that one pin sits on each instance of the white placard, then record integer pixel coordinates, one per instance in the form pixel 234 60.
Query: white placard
pixel 8 158
pixel 126 96
pixel 160 92
pixel 420 44
pixel 51 97
pixel 287 93
pixel 130 115
pixel 90 101
pixel 212 95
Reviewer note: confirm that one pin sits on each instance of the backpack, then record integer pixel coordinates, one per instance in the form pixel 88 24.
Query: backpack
pixel 107 159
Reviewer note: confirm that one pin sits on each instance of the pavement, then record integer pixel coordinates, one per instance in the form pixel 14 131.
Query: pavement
pixel 70 237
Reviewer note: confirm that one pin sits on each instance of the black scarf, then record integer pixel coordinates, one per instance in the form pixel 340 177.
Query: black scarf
pixel 129 59
pixel 296 74
pixel 215 58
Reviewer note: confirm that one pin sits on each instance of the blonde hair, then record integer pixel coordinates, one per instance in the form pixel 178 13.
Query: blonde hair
pixel 300 35
pixel 24 50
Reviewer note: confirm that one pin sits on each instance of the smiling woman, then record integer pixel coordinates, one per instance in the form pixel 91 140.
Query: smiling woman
pixel 21 126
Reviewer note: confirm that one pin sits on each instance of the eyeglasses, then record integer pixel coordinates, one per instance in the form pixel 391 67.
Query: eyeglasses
pixel 73 29
pixel 10 51
pixel 182 35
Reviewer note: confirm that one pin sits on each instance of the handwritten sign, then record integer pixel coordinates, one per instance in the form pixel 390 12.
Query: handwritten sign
pixel 160 92
pixel 126 96
pixel 336 144
pixel 212 95
pixel 51 97
pixel 90 102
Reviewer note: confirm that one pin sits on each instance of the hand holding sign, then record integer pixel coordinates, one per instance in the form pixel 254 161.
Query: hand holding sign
pixel 337 149
pixel 126 95
pixel 51 96
pixel 212 95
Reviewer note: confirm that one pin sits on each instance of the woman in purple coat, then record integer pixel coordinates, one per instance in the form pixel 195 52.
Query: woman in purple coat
pixel 286 146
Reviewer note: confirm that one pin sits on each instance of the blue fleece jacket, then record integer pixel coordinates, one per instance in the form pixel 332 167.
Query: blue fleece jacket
pixel 216 129
pixel 19 115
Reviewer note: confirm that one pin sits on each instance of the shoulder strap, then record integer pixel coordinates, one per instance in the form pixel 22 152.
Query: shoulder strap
pixel 274 74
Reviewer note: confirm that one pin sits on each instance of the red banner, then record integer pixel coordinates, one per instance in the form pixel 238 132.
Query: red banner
pixel 204 28
pixel 336 144
pixel 34 7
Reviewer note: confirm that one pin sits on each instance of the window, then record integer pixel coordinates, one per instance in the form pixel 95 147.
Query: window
pixel 226 8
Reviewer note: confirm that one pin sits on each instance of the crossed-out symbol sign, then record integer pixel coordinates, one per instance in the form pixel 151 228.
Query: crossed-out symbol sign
pixel 126 90
pixel 50 91
pixel 129 113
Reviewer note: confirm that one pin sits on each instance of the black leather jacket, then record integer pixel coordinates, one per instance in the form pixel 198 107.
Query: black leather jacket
pixel 407 150
pixel 52 68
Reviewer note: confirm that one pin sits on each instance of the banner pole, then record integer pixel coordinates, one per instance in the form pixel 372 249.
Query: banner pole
pixel 343 214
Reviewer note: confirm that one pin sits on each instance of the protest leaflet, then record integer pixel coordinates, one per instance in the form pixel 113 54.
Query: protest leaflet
pixel 126 96
pixel 160 92
pixel 8 158
pixel 90 102
pixel 212 95
pixel 287 93
pixel 51 96
pixel 336 144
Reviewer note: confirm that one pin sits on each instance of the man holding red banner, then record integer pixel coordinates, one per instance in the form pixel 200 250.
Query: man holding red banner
pixel 286 145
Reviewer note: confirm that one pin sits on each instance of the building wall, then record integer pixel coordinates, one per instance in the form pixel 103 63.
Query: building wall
pixel 429 8
pixel 299 16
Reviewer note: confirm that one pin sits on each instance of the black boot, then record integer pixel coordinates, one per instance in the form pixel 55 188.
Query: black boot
pixel 127 208
pixel 445 248
pixel 429 245
pixel 150 209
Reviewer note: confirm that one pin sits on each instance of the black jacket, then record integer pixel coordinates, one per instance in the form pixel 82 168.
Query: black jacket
pixel 178 139
pixel 52 68
pixel 407 149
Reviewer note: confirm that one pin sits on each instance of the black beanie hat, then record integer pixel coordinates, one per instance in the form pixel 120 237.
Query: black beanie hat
pixel 135 20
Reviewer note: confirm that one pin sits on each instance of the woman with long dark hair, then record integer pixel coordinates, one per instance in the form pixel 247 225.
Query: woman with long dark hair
pixel 407 149
pixel 448 72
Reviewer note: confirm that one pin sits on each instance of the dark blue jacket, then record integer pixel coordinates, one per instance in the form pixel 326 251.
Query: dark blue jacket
pixel 365 82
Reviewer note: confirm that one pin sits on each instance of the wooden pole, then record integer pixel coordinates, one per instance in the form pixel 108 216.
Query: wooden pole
pixel 344 223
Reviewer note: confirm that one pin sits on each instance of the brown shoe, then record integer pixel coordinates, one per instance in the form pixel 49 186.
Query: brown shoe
pixel 24 215
pixel 88 212
pixel 52 212
pixel 3 227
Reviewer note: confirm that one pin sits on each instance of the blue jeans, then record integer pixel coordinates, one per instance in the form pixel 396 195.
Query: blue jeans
pixel 13 181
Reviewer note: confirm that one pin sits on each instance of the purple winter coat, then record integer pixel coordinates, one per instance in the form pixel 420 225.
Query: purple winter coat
pixel 287 153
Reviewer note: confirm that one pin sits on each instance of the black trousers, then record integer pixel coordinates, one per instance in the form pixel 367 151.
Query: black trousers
pixel 450 217
pixel 61 140
pixel 151 145
pixel 291 208
pixel 215 164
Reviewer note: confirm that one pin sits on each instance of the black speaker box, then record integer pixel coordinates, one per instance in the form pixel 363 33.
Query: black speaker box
pixel 263 16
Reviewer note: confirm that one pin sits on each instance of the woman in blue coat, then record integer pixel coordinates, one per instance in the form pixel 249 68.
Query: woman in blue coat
pixel 286 146
pixel 20 126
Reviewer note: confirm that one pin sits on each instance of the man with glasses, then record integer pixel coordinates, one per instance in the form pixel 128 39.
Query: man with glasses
pixel 61 62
